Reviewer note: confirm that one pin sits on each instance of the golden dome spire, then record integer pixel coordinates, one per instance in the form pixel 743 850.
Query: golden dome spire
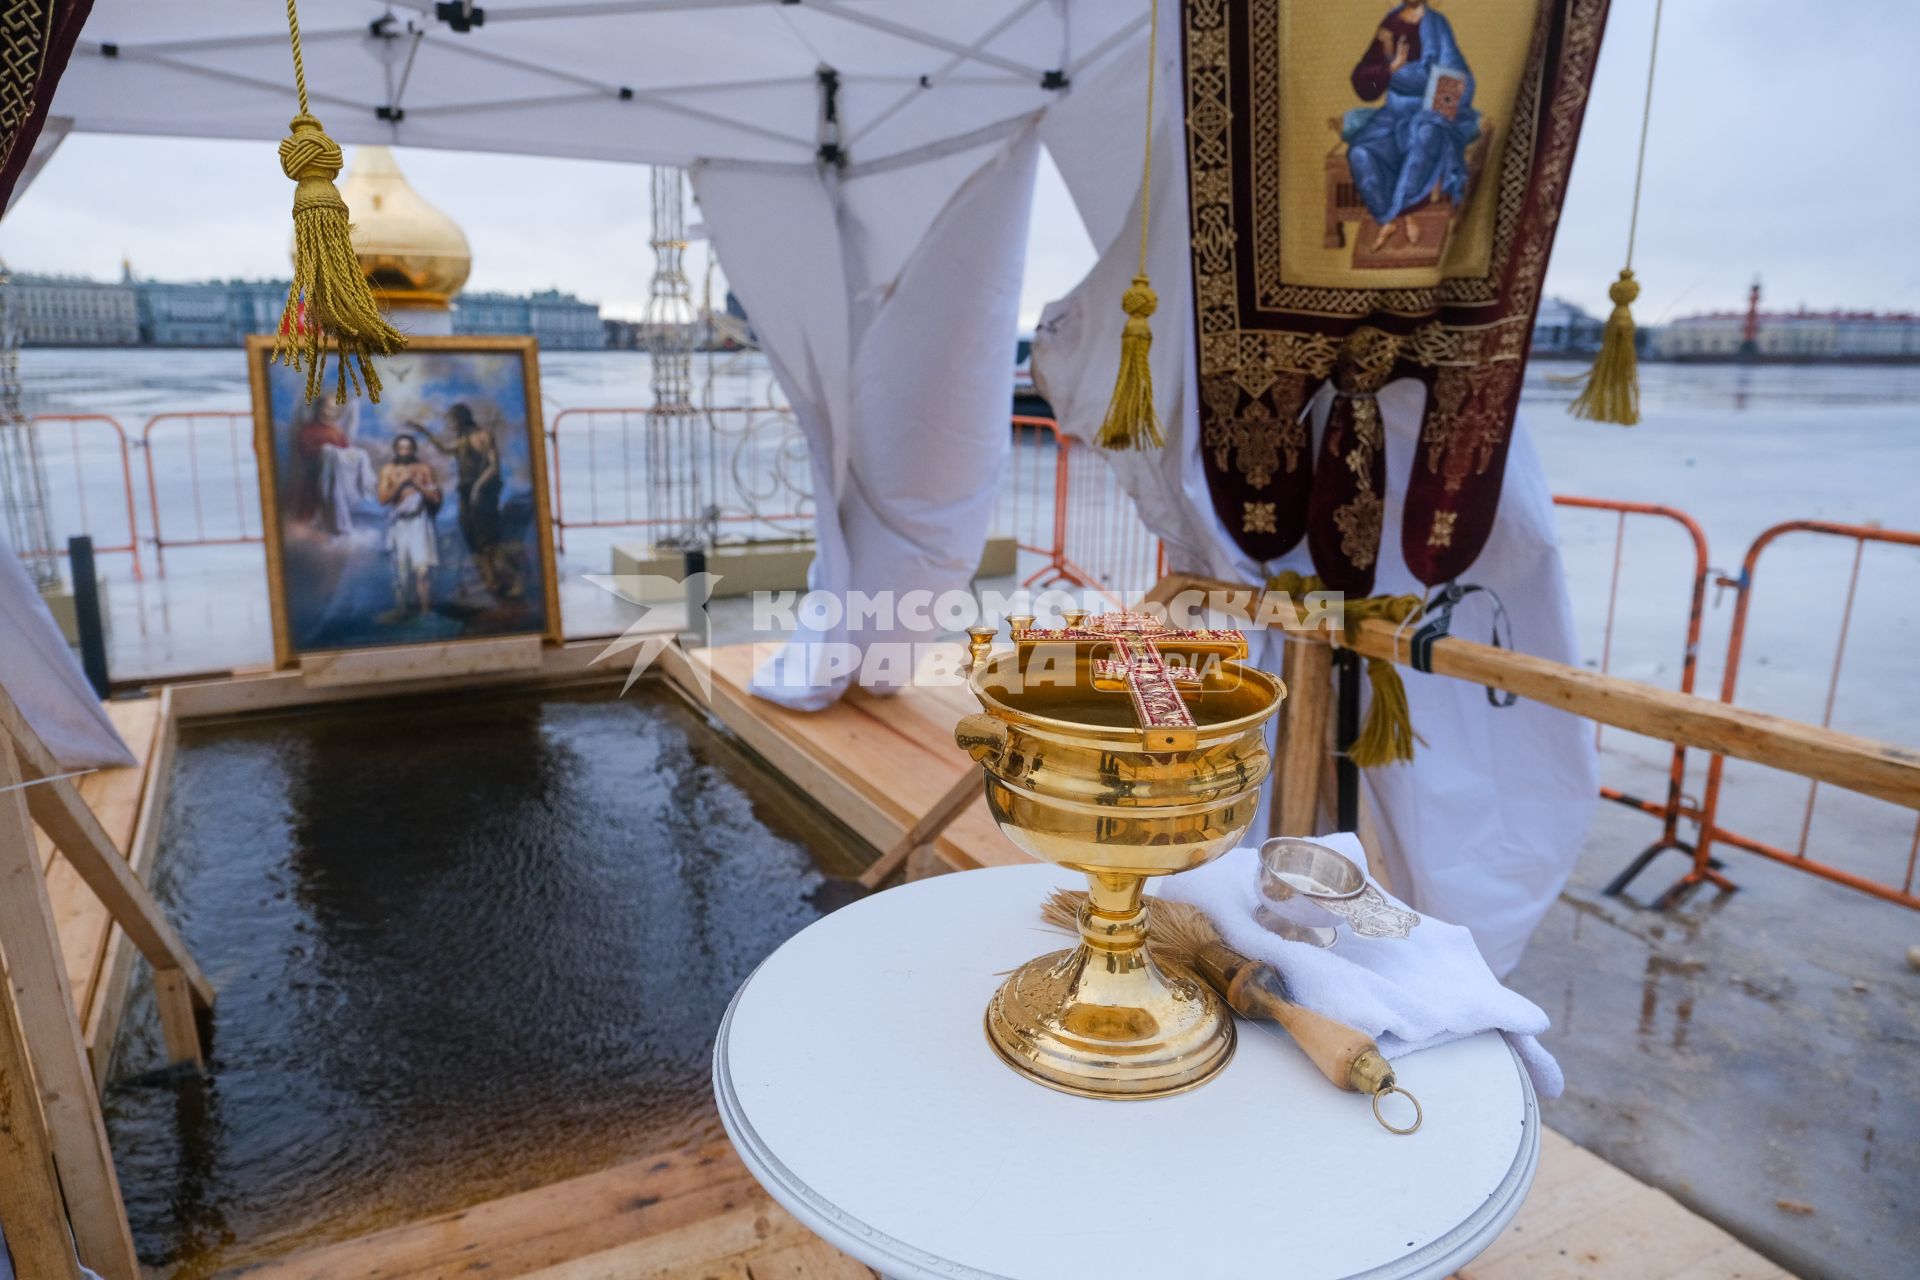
pixel 413 254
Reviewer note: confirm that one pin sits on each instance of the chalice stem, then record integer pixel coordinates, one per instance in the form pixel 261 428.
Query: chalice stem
pixel 1113 923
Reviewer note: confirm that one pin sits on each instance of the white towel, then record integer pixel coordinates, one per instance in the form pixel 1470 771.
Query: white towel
pixel 1407 993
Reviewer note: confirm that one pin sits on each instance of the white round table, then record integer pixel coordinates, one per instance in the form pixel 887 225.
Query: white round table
pixel 854 1076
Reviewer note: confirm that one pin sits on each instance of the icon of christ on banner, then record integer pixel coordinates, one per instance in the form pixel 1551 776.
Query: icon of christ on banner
pixel 1410 152
pixel 1414 246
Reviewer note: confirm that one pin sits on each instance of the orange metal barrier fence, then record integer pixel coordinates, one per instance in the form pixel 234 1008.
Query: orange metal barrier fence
pixel 79 520
pixel 1704 870
pixel 1704 814
pixel 214 442
pixel 1062 502
pixel 1673 808
pixel 738 473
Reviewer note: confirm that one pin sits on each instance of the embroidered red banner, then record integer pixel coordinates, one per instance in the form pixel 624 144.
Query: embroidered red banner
pixel 1374 191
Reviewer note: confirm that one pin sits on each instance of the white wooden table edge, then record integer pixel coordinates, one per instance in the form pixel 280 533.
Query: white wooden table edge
pixel 898 1260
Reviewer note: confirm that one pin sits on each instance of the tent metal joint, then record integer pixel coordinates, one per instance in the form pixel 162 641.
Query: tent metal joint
pixel 830 151
pixel 1055 80
pixel 460 15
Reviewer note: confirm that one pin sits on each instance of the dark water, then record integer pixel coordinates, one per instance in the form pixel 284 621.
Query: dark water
pixel 462 947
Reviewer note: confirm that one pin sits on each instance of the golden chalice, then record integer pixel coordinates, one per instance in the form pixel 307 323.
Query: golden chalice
pixel 1122 748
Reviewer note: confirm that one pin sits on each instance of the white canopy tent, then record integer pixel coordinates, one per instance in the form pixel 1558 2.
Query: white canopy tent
pixel 865 170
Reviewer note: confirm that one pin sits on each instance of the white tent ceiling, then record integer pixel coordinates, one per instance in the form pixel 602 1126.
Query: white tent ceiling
pixel 657 81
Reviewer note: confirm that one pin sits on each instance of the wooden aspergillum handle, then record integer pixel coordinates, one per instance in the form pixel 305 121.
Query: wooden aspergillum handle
pixel 1346 1056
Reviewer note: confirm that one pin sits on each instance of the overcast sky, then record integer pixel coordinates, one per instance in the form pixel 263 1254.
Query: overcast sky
pixel 1781 146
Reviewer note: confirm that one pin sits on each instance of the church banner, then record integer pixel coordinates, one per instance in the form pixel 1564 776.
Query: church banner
pixel 1374 190
pixel 36 39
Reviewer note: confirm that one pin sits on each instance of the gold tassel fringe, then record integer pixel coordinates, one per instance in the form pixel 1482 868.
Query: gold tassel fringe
pixel 329 303
pixel 1387 736
pixel 1131 422
pixel 1612 393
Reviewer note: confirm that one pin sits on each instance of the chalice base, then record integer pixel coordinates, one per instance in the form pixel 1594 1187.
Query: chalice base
pixel 1109 1025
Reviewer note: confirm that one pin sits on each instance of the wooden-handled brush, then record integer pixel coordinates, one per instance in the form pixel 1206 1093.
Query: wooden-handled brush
pixel 1181 935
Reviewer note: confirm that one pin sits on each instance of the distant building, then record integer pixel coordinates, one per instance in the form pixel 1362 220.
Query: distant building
pixel 1793 335
pixel 622 335
pixel 211 314
pixel 1563 329
pixel 66 311
pixel 560 321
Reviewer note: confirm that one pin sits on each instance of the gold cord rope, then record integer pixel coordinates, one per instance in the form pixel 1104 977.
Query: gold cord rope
pixel 1612 392
pixel 328 301
pixel 1132 421
pixel 1646 121
pixel 1146 164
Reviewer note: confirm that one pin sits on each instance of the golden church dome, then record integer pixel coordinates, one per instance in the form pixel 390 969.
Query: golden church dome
pixel 413 254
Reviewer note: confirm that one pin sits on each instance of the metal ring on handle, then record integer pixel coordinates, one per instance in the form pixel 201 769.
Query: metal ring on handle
pixel 1418 1114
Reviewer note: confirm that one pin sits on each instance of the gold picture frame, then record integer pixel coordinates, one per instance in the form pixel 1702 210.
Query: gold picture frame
pixel 463 547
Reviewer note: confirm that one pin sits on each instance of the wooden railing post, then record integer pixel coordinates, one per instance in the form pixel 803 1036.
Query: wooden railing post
pixel 1308 671
pixel 181 988
pixel 30 1206
pixel 50 1028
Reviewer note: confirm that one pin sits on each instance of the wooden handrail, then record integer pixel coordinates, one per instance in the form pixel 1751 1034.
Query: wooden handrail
pixel 1879 769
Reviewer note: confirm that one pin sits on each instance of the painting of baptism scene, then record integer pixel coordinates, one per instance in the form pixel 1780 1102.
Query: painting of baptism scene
pixel 419 518
pixel 912 640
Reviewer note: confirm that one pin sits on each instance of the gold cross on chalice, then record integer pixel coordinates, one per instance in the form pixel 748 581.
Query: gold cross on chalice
pixel 1118 788
pixel 1139 665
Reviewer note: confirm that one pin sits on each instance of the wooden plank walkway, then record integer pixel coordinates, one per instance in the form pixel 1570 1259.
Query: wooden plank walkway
pixel 697 1215
pixel 88 936
pixel 876 763
pixel 687 1215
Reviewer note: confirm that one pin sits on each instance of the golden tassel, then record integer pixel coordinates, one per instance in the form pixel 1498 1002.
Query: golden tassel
pixel 328 303
pixel 1387 736
pixel 1131 421
pixel 1612 393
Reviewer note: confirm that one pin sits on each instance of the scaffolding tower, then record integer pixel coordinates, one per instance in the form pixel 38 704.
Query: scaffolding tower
pixel 678 453
pixel 23 471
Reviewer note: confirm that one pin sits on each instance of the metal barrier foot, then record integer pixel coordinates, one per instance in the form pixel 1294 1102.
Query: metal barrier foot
pixel 1683 887
pixel 1618 885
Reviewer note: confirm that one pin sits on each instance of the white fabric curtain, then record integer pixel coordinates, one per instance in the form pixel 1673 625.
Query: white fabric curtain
pixel 40 674
pixel 887 301
pixel 1483 828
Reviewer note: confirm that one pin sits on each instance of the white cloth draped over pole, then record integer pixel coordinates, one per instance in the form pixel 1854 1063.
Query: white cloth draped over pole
pixel 1484 826
pixel 887 302
pixel 41 675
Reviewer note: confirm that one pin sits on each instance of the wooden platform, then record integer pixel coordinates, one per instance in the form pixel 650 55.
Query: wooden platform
pixel 697 1215
pixel 97 956
pixel 876 763
pixel 687 1215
